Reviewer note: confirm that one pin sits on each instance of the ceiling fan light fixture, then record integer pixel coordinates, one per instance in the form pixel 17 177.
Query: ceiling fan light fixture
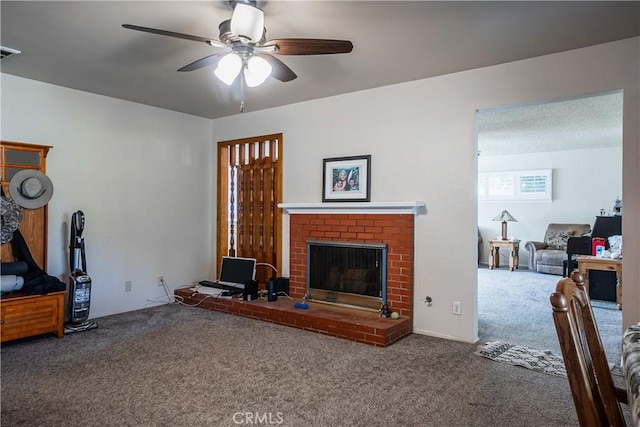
pixel 256 71
pixel 228 68
pixel 245 36
pixel 247 22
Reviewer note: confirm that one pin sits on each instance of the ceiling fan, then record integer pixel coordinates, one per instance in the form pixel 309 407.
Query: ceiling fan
pixel 249 54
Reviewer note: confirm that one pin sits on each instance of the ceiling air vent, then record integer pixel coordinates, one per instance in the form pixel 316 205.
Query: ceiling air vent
pixel 6 52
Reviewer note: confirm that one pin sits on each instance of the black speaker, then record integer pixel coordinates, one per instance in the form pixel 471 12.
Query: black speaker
pixel 282 285
pixel 272 290
pixel 250 292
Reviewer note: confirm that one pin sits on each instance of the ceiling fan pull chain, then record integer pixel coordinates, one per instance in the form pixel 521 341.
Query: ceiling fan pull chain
pixel 242 89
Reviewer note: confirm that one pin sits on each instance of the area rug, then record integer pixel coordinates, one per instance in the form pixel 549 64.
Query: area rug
pixel 541 361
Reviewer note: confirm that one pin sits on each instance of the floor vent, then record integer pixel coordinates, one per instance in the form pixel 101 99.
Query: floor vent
pixel 6 52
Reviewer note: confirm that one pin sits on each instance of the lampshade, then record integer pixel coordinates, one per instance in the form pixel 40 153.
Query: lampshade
pixel 247 22
pixel 256 71
pixel 228 68
pixel 505 216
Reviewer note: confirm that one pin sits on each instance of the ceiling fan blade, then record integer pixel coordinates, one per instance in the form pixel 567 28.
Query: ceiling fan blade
pixel 310 46
pixel 210 42
pixel 279 70
pixel 203 62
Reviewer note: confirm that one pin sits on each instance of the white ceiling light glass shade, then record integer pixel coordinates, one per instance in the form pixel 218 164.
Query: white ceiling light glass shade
pixel 247 22
pixel 257 71
pixel 228 68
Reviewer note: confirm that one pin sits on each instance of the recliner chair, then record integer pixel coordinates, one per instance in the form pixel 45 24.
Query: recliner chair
pixel 548 256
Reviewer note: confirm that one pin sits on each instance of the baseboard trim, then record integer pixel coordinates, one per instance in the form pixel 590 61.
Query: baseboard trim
pixel 444 336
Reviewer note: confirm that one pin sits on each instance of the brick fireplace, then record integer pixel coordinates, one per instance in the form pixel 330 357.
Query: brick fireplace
pixel 390 224
pixel 394 230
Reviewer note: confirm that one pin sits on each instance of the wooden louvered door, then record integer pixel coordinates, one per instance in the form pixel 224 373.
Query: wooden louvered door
pixel 249 190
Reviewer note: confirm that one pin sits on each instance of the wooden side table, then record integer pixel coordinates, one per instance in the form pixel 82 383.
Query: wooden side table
pixel 494 253
pixel 588 262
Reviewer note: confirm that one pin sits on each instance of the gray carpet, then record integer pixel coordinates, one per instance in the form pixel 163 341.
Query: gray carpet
pixel 514 307
pixel 179 366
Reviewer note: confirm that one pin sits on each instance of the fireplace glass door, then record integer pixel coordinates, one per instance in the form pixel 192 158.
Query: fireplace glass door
pixel 347 273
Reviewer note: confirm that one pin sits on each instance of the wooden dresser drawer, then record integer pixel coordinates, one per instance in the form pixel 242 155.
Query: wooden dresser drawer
pixel 28 315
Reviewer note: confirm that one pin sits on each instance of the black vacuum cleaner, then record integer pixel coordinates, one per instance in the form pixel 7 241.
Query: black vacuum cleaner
pixel 79 280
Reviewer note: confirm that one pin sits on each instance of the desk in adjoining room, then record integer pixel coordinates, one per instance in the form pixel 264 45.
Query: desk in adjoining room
pixel 587 262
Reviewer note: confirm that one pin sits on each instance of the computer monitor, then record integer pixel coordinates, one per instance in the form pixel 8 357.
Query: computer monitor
pixel 237 270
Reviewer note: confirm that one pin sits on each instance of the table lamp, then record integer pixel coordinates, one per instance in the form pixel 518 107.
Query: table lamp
pixel 504 216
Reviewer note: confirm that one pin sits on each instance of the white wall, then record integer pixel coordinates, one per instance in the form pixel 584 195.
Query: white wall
pixel 584 181
pixel 142 177
pixel 145 173
pixel 421 136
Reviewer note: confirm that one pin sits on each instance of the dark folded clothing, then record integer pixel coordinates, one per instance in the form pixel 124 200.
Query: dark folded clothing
pixel 17 268
pixel 36 280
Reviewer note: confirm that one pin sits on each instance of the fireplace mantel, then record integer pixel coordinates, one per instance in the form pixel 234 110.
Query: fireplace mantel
pixel 410 207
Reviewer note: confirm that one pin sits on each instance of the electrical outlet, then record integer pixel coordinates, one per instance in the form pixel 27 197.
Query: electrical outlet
pixel 457 308
pixel 128 286
pixel 160 280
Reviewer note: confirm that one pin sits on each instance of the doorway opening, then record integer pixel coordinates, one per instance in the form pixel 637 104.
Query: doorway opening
pixel 564 137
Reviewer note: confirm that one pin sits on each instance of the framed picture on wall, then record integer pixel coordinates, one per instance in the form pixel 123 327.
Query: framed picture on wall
pixel 346 179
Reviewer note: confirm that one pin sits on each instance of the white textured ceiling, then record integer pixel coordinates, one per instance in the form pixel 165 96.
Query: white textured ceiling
pixel 589 122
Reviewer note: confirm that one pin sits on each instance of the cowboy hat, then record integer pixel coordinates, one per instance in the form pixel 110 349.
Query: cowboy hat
pixel 11 216
pixel 31 189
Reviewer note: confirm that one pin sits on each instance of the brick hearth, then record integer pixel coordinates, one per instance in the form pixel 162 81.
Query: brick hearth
pixel 353 324
pixel 396 230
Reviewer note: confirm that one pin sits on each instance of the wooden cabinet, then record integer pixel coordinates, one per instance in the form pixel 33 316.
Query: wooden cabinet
pixel 15 156
pixel 27 315
pixel 23 315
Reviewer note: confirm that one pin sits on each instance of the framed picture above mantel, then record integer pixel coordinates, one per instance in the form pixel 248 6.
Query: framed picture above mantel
pixel 346 179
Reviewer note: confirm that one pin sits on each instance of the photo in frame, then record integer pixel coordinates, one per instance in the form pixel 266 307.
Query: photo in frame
pixel 346 179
